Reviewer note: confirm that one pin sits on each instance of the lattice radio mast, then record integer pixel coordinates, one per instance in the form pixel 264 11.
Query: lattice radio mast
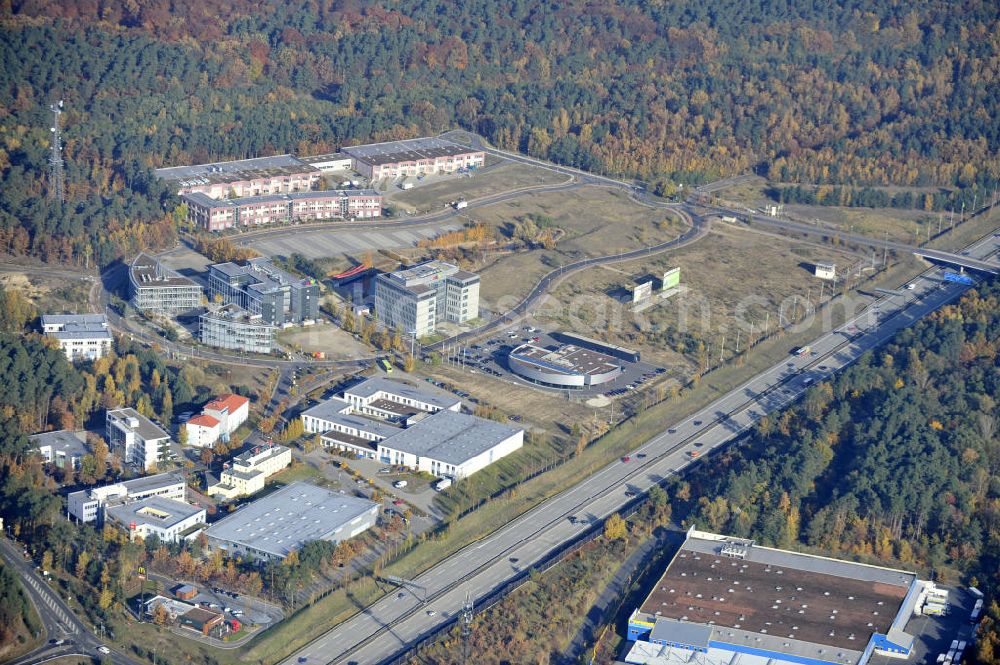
pixel 57 181
pixel 466 627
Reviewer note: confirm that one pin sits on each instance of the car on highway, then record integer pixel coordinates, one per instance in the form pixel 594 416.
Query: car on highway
pixel 431 613
pixel 626 459
pixel 694 453
pixel 697 423
pixel 103 649
pixel 641 455
pixel 699 444
pixel 629 493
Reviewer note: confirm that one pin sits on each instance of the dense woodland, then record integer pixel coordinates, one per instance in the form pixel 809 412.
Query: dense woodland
pixel 864 93
pixel 897 459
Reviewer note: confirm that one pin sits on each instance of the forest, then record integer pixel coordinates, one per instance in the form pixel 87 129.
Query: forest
pixel 895 460
pixel 859 94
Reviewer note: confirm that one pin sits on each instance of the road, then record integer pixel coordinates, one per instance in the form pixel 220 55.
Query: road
pixel 698 227
pixel 59 621
pixel 388 626
pixel 790 226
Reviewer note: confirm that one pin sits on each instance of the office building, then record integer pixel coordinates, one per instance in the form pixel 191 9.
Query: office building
pixel 723 600
pixel 156 289
pixel 248 472
pixel 88 505
pixel 64 449
pixel 138 441
pixel 280 174
pixel 413 157
pixel 217 420
pixel 396 423
pixel 260 287
pixel 280 523
pixel 450 444
pixel 167 519
pixel 232 327
pixel 221 214
pixel 415 300
pixel 80 336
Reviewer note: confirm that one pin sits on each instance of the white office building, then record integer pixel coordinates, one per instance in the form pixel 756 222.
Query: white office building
pixel 450 444
pixel 397 423
pixel 65 449
pixel 80 336
pixel 88 505
pixel 415 300
pixel 167 519
pixel 138 441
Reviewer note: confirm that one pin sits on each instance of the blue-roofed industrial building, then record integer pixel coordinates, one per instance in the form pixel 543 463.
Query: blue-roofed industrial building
pixel 723 600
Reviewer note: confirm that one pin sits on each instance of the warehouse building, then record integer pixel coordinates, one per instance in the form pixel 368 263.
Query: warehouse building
pixel 65 449
pixel 413 157
pixel 450 444
pixel 282 522
pixel 280 174
pixel 232 327
pixel 262 288
pixel 88 505
pixel 246 473
pixel 415 300
pixel 156 289
pixel 723 600
pixel 80 336
pixel 138 441
pixel 563 366
pixel 167 519
pixel 220 214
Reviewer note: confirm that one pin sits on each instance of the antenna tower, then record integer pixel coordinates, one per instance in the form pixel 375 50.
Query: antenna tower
pixel 56 175
pixel 466 627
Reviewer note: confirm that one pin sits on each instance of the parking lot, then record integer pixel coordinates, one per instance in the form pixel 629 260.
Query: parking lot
pixel 933 635
pixel 490 357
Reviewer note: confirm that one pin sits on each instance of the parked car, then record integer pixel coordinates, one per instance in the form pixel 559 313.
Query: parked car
pixel 399 484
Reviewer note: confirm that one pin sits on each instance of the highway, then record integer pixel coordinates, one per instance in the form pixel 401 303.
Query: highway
pixel 400 619
pixel 58 619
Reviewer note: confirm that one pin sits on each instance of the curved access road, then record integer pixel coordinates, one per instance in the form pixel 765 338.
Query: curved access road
pixel 698 227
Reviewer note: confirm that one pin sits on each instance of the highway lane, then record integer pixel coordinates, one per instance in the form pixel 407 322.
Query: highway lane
pixel 59 620
pixel 394 622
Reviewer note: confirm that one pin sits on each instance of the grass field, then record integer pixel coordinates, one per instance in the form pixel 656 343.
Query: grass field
pixel 735 278
pixel 907 226
pixel 330 339
pixel 439 191
pixel 594 221
pixel 50 294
